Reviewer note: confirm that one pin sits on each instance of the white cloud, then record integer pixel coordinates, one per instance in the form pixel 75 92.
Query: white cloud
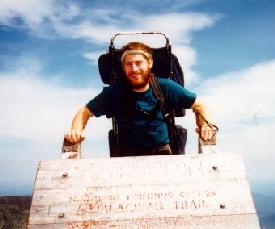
pixel 93 56
pixel 31 11
pixel 243 94
pixel 178 26
pixel 37 16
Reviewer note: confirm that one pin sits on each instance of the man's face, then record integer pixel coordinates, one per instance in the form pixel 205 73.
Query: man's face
pixel 137 70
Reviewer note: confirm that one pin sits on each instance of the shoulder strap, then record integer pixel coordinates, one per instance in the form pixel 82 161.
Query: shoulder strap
pixel 153 81
pixel 166 111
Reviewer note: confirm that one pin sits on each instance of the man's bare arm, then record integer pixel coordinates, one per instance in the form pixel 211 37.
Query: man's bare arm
pixel 203 119
pixel 75 134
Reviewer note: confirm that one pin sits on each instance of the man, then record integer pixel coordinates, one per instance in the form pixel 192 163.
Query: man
pixel 130 100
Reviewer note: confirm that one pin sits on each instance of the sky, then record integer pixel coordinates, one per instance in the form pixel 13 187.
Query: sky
pixel 48 71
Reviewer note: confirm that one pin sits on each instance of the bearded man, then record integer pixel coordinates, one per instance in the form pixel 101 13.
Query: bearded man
pixel 133 97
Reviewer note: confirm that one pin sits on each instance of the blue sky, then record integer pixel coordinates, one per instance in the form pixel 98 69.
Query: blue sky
pixel 48 70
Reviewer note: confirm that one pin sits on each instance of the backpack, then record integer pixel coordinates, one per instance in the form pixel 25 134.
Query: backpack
pixel 165 64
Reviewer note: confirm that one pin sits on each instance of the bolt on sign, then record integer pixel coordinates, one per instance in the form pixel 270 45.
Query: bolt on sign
pixel 179 191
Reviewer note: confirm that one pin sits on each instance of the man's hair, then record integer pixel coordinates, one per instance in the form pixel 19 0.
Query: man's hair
pixel 138 46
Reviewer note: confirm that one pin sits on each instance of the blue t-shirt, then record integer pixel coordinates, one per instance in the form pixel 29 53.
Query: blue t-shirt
pixel 144 130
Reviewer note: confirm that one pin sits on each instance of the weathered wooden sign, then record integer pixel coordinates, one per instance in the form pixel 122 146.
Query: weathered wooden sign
pixel 180 191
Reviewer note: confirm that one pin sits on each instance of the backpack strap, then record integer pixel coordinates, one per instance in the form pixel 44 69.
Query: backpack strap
pixel 159 95
pixel 165 109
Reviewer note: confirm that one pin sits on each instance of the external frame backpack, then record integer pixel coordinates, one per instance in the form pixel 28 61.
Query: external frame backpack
pixel 165 64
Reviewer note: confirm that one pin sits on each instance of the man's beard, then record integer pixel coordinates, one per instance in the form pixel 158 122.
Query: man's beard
pixel 138 84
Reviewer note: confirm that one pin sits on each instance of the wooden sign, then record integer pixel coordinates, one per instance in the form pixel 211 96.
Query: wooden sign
pixel 180 191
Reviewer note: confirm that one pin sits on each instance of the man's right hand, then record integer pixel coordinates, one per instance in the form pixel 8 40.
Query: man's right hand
pixel 74 136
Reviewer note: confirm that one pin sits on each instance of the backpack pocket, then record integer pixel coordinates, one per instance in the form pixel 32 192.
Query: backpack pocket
pixel 179 140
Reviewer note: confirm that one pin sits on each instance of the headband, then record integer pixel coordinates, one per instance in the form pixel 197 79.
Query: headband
pixel 136 51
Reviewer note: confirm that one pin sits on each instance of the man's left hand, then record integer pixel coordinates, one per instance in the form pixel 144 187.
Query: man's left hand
pixel 205 132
